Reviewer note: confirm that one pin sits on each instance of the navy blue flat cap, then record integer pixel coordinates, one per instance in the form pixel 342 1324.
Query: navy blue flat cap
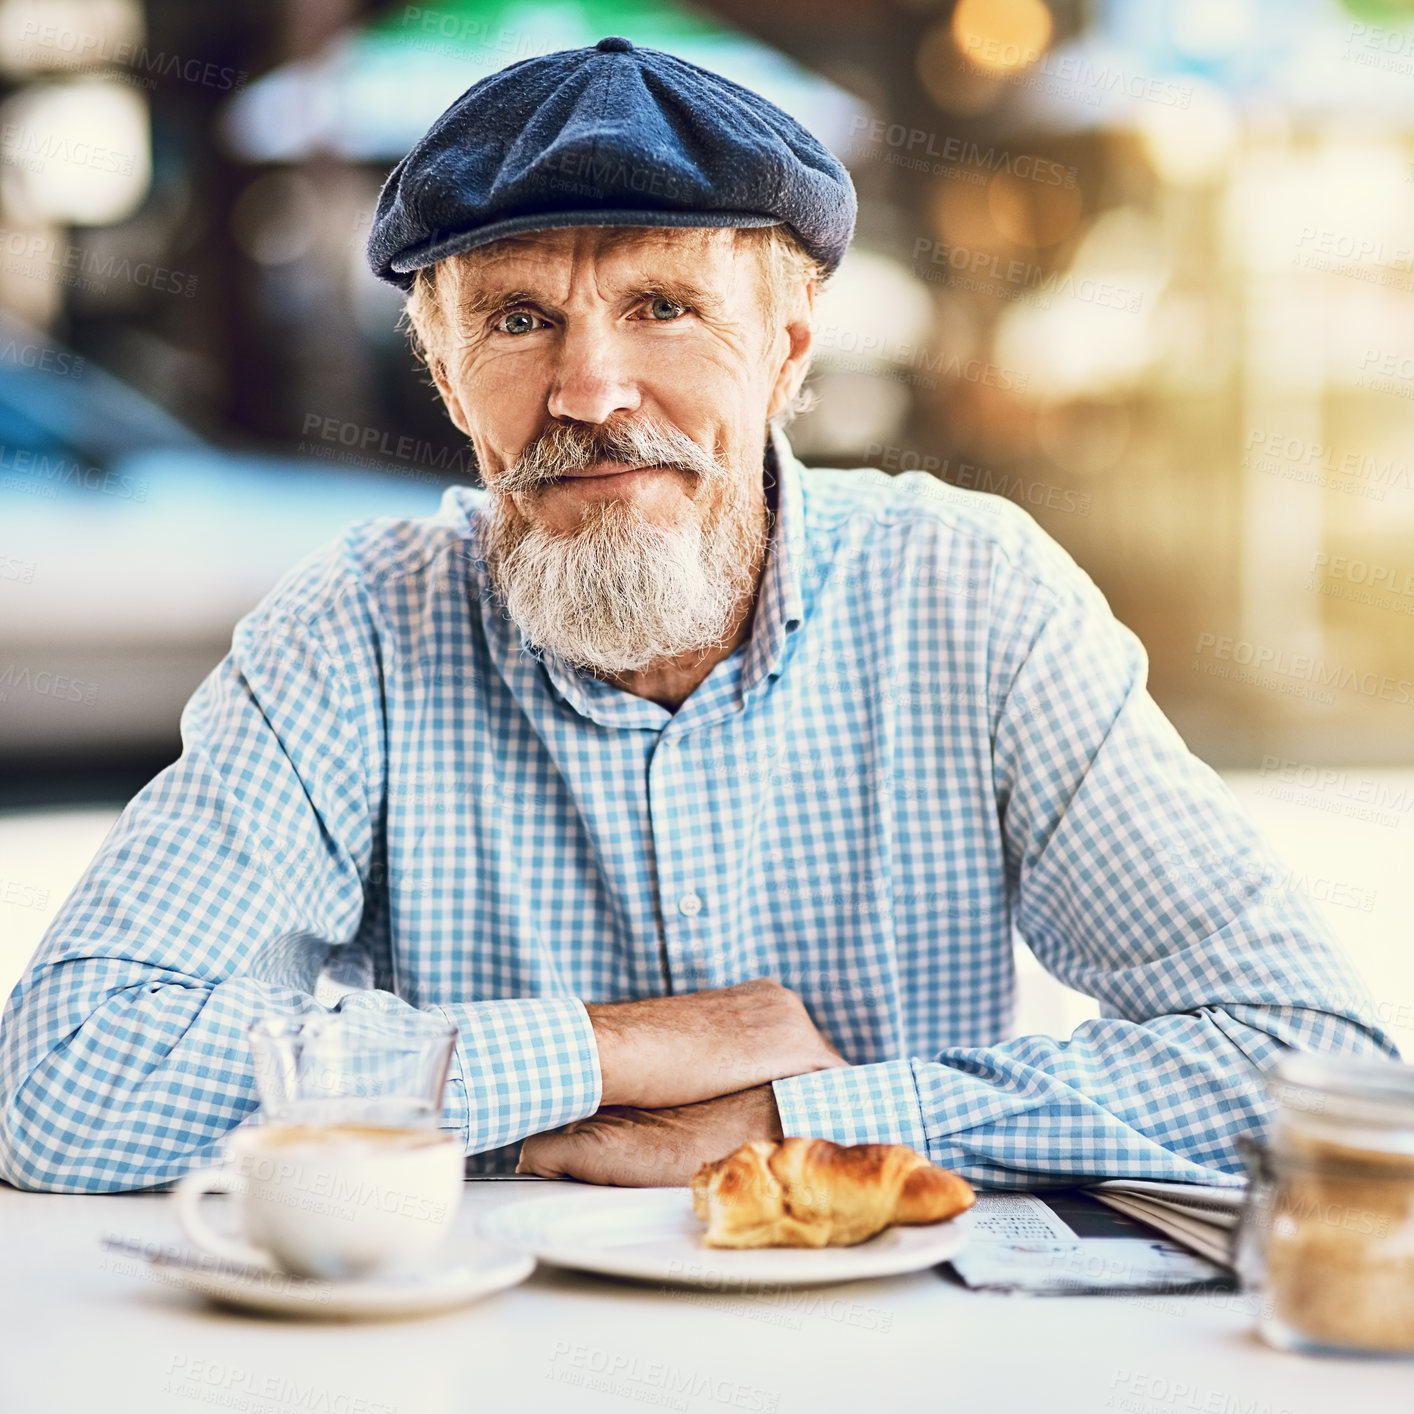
pixel 611 135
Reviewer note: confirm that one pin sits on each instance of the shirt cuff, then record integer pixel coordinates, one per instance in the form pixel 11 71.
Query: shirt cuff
pixel 856 1104
pixel 519 1067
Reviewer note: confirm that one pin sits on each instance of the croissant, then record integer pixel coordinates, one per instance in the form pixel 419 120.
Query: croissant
pixel 813 1193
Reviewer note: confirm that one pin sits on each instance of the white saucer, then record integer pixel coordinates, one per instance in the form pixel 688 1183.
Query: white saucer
pixel 652 1234
pixel 369 1299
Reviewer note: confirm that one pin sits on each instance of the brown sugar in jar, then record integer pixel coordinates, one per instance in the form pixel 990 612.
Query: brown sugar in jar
pixel 1328 1232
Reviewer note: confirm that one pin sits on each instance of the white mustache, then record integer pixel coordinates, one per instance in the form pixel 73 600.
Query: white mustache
pixel 571 447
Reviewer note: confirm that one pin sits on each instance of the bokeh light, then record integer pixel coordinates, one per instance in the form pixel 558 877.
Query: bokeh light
pixel 1192 145
pixel 47 36
pixel 1034 213
pixel 1001 36
pixel 77 152
pixel 950 81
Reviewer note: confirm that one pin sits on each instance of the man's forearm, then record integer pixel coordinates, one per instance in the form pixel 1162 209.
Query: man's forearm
pixel 678 1050
pixel 653 1148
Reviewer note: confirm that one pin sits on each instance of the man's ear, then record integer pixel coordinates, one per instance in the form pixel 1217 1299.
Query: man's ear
pixel 437 367
pixel 430 340
pixel 801 339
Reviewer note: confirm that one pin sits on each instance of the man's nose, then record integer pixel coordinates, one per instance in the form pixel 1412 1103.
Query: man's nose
pixel 593 379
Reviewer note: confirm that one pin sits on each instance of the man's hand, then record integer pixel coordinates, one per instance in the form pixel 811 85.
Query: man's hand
pixel 652 1148
pixel 676 1050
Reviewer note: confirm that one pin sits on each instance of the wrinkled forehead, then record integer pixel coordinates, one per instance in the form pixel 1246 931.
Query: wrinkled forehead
pixel 684 241
pixel 705 254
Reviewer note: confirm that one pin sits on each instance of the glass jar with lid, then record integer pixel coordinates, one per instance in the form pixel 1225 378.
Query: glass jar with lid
pixel 1327 1234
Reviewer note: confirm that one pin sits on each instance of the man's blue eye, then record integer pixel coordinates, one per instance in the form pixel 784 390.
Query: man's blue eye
pixel 517 322
pixel 664 309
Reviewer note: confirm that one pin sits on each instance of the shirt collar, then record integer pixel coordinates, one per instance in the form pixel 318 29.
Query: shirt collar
pixel 778 613
pixel 780 608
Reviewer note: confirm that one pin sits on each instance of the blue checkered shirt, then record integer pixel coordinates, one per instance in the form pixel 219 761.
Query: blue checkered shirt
pixel 935 734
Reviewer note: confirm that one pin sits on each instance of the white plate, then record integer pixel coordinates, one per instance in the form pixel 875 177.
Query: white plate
pixel 369 1299
pixel 652 1234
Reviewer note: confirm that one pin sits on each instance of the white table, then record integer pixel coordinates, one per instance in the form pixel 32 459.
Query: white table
pixel 83 1330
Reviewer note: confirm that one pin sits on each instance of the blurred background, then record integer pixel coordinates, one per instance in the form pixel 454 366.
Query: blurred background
pixel 1145 267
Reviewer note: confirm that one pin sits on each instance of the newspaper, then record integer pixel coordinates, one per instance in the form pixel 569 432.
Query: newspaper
pixel 1200 1217
pixel 1075 1242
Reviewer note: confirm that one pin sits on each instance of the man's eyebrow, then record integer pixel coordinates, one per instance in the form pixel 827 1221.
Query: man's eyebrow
pixel 680 291
pixel 480 301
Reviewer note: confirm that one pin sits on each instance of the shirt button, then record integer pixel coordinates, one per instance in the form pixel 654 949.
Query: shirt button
pixel 690 905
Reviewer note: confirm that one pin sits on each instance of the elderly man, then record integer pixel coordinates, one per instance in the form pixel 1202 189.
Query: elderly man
pixel 703 793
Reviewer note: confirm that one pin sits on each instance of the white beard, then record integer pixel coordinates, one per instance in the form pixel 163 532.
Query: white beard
pixel 619 593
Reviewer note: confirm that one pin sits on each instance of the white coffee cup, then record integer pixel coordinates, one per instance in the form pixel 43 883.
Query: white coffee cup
pixel 335 1201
